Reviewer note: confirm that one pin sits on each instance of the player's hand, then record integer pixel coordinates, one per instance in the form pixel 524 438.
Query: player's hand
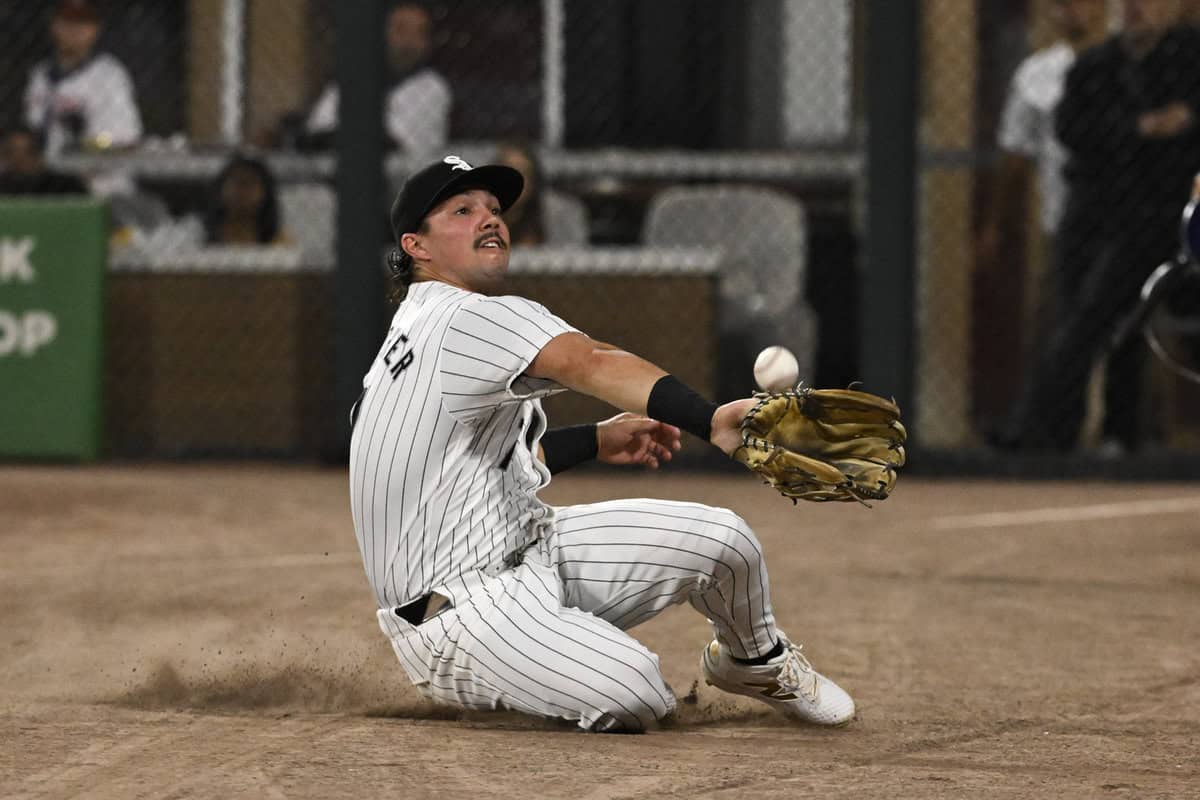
pixel 632 439
pixel 727 424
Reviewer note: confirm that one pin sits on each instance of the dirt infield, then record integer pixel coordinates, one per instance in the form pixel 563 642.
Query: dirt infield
pixel 206 631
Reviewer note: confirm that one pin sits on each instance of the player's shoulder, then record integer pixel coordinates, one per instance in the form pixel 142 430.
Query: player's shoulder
pixel 507 305
pixel 473 304
pixel 509 316
pixel 445 297
pixel 436 293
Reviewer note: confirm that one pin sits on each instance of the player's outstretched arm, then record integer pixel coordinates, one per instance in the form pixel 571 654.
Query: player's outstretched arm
pixel 727 424
pixel 600 370
pixel 626 381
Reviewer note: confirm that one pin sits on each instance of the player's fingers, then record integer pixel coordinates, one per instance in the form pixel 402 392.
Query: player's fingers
pixel 641 425
pixel 668 436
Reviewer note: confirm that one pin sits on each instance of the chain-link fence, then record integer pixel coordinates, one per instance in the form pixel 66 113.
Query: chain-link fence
pixel 1088 116
pixel 701 150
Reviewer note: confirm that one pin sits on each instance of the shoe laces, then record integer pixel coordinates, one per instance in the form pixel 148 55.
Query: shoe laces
pixel 797 674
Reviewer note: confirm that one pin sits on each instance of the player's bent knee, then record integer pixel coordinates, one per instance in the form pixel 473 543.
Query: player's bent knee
pixel 738 539
pixel 630 711
pixel 607 723
pixel 630 718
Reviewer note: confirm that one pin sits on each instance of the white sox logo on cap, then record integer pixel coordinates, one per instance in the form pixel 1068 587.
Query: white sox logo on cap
pixel 429 186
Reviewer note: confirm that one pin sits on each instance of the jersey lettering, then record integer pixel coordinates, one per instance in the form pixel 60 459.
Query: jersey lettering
pixel 405 360
pixel 446 400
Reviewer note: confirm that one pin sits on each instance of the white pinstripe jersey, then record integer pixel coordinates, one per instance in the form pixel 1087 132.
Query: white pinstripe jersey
pixel 443 465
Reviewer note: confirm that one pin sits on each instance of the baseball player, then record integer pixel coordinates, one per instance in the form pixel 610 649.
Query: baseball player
pixel 490 597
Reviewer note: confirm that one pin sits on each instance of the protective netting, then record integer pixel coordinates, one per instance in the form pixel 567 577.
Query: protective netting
pixel 719 146
pixel 1092 114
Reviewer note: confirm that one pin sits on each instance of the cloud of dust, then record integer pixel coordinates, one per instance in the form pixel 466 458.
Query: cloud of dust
pixel 321 689
pixel 309 688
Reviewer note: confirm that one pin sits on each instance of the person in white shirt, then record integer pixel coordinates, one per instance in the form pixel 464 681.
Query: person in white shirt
pixel 416 110
pixel 81 98
pixel 1026 135
pixel 1027 143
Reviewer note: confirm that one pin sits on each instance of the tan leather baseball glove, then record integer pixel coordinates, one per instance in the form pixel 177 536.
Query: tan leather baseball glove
pixel 824 444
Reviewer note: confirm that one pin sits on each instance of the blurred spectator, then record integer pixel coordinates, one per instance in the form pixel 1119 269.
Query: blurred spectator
pixel 541 215
pixel 1128 118
pixel 417 107
pixel 1026 135
pixel 24 169
pixel 81 98
pixel 244 205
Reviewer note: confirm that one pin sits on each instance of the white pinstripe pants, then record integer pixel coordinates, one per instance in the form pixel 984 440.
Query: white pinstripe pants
pixel 548 637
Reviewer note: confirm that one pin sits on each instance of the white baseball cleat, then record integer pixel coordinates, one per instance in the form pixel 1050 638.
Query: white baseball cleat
pixel 787 683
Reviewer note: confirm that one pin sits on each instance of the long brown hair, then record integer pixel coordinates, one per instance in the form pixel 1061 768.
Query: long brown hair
pixel 401 270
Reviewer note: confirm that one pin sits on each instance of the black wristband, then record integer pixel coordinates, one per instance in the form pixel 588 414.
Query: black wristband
pixel 674 402
pixel 566 447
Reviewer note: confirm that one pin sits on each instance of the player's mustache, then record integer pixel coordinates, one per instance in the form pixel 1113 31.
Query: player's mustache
pixel 487 237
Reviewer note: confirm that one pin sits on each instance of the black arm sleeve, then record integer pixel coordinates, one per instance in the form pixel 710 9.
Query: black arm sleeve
pixel 566 447
pixel 674 402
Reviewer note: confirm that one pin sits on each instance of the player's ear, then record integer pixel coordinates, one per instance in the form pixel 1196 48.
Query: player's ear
pixel 411 244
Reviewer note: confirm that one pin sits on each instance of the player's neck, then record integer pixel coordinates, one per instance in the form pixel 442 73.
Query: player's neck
pixel 424 275
pixel 478 282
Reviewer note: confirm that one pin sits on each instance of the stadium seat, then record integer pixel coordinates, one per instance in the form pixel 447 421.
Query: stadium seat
pixel 762 233
pixel 566 219
pixel 309 215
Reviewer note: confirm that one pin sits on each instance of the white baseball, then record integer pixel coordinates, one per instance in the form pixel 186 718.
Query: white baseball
pixel 776 369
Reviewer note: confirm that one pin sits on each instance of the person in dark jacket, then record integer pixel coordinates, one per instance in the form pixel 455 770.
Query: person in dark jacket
pixel 1129 120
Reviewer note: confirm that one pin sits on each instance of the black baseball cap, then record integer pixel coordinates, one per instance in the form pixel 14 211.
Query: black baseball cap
pixel 433 184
